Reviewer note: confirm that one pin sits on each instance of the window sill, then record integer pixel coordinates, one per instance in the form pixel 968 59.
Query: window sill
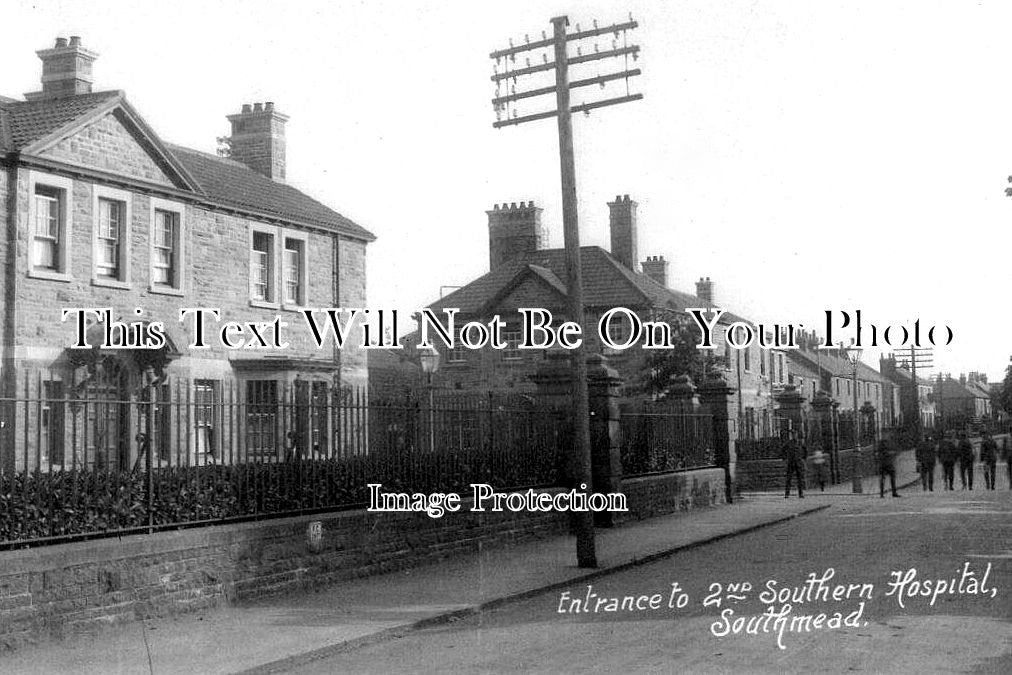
pixel 110 283
pixel 50 275
pixel 288 307
pixel 264 304
pixel 165 290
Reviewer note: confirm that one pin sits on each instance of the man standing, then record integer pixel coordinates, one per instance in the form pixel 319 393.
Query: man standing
pixel 947 455
pixel 794 458
pixel 989 458
pixel 965 454
pixel 926 462
pixel 886 466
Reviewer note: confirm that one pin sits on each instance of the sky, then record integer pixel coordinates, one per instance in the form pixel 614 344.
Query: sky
pixel 805 156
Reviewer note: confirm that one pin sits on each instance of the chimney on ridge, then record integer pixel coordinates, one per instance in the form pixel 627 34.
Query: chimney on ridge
pixel 656 267
pixel 258 139
pixel 513 231
pixel 623 231
pixel 66 70
pixel 704 291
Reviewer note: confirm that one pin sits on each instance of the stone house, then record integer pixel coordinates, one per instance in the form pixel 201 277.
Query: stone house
pixel 815 369
pixel 100 212
pixel 524 274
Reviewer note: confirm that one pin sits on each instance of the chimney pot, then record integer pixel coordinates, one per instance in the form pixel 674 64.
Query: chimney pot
pixel 269 106
pixel 247 108
pixel 258 107
pixel 75 40
pixel 60 42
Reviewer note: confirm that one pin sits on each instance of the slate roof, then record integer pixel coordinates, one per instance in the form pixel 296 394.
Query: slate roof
pixel 606 283
pixel 222 182
pixel 30 121
pixel 233 184
pixel 830 362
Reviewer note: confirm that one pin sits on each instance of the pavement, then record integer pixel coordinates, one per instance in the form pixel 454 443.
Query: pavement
pixel 284 632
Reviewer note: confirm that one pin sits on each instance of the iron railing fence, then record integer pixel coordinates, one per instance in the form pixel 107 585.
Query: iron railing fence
pixel 187 453
pixel 655 439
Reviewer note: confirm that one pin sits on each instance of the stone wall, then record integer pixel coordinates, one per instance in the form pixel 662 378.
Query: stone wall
pixel 61 589
pixel 763 475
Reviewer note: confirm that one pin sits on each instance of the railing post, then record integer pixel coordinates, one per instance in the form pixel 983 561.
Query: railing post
pixel 716 396
pixel 603 384
pixel 822 405
pixel 149 428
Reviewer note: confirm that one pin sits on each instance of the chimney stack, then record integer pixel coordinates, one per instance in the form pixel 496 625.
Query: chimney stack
pixel 656 267
pixel 623 231
pixel 704 291
pixel 512 231
pixel 258 139
pixel 66 70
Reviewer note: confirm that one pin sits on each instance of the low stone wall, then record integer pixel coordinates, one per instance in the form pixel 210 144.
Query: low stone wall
pixel 765 475
pixel 54 590
pixel 660 494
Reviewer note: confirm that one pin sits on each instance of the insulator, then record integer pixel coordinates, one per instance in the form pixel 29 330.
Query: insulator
pixel 595 24
pixel 513 58
pixel 527 40
pixel 596 49
pixel 528 62
pixel 544 35
pixel 614 43
pixel 579 52
pixel 544 57
pixel 577 28
pixel 636 56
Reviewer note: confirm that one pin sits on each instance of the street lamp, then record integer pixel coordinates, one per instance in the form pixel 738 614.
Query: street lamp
pixel 429 356
pixel 854 354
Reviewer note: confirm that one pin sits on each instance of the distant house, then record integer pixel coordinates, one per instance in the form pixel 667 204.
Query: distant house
pixel 963 401
pixel 908 404
pixel 99 211
pixel 523 274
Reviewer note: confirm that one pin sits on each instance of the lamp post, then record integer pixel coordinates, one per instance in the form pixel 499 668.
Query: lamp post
pixel 429 357
pixel 854 354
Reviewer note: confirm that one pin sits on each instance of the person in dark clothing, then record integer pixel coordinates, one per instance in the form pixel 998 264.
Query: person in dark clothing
pixel 794 459
pixel 965 455
pixel 989 458
pixel 947 454
pixel 885 455
pixel 926 463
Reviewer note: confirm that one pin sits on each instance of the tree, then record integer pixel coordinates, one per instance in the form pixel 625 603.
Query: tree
pixel 683 358
pixel 1004 396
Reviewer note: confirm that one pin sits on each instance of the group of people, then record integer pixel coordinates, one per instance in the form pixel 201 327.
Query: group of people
pixel 950 450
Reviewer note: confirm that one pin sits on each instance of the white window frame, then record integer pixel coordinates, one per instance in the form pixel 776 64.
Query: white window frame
pixel 303 238
pixel 458 354
pixel 101 193
pixel 177 286
pixel 66 188
pixel 512 338
pixel 274 273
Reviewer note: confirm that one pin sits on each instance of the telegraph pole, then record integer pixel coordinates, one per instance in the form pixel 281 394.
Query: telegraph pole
pixel 918 356
pixel 586 555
